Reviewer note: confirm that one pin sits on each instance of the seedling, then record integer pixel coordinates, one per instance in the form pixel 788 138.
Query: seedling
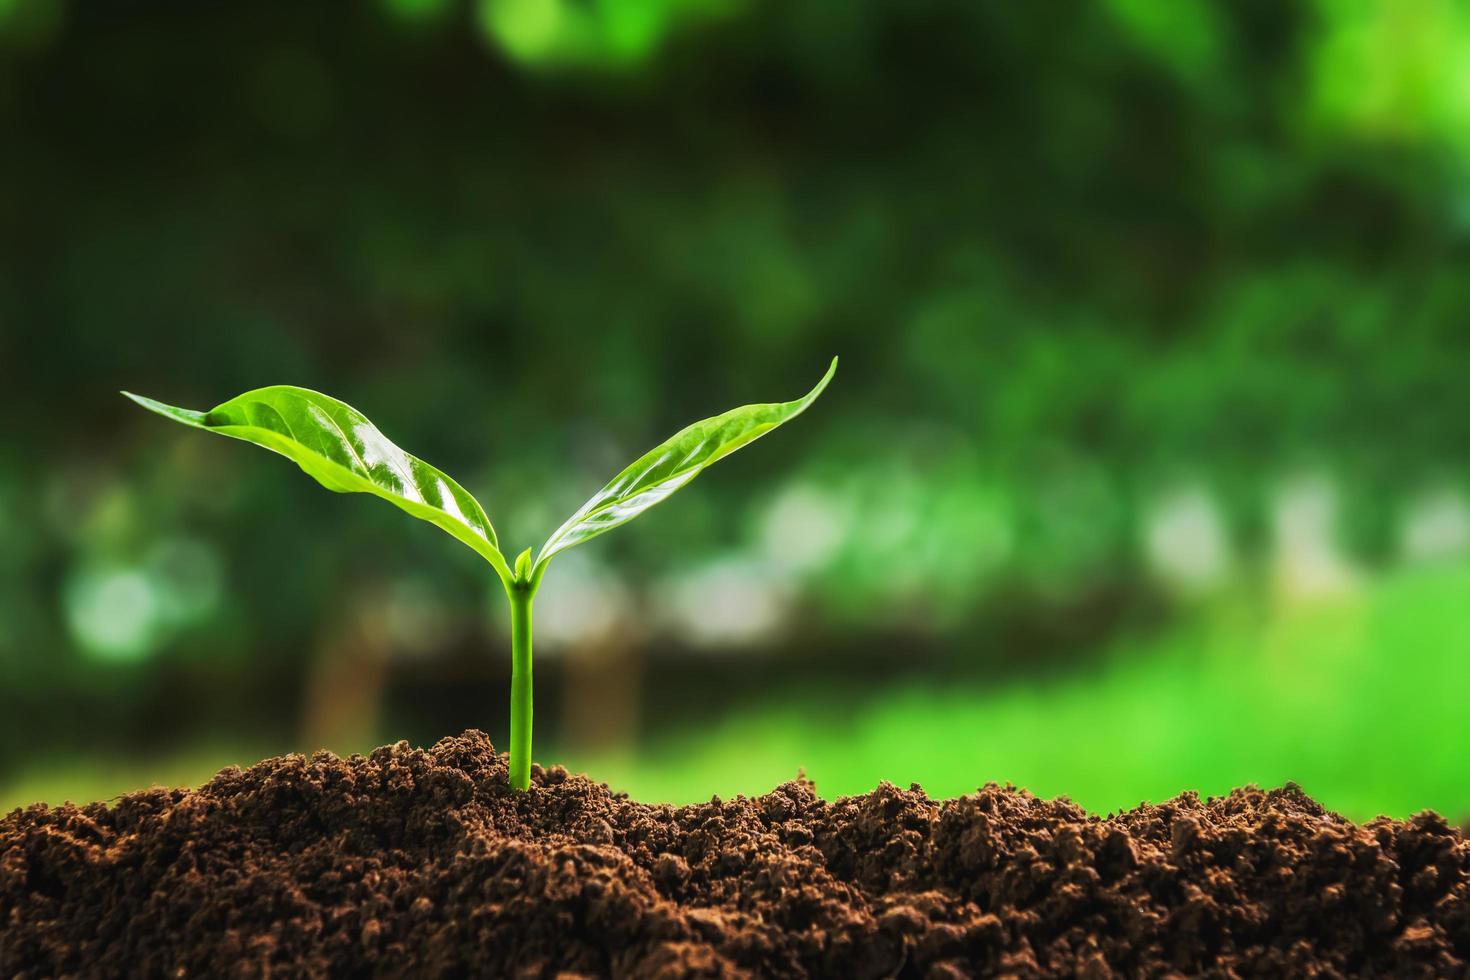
pixel 338 447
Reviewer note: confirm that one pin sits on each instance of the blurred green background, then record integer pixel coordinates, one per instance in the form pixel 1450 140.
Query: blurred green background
pixel 1146 468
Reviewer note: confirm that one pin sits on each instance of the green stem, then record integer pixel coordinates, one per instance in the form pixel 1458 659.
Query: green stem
pixel 521 594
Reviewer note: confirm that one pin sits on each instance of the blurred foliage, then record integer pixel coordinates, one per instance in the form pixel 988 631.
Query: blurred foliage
pixel 613 33
pixel 1360 700
pixel 1141 305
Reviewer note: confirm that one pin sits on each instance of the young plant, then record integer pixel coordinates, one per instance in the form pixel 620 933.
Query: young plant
pixel 338 447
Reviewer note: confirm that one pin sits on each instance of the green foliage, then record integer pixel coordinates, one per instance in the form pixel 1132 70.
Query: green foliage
pixel 586 33
pixel 1076 263
pixel 338 447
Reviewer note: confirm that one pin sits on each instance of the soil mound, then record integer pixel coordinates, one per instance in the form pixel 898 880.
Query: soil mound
pixel 421 862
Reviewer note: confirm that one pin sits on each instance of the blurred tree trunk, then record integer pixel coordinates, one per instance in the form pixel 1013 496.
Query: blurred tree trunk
pixel 603 694
pixel 344 689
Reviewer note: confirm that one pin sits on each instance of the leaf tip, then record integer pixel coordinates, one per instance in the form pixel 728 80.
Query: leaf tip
pixel 184 415
pixel 822 385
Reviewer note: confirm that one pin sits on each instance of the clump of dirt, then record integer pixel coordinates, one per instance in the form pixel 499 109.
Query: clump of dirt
pixel 422 862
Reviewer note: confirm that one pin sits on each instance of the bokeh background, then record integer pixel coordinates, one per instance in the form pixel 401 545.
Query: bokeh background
pixel 1145 470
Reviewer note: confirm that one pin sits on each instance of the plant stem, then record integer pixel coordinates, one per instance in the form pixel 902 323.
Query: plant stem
pixel 521 594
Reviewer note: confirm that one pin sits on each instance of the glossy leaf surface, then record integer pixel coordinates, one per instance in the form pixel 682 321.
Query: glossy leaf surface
pixel 671 465
pixel 338 447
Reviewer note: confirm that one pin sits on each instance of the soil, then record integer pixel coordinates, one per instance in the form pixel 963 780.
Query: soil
pixel 421 862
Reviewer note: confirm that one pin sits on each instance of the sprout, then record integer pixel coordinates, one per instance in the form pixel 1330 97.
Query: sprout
pixel 338 447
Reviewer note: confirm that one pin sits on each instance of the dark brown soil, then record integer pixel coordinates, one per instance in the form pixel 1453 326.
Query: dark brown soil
pixel 414 862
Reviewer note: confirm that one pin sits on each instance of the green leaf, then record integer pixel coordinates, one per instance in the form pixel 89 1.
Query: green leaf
pixel 671 465
pixel 338 447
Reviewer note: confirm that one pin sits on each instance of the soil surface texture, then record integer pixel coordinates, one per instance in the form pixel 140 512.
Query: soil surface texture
pixel 413 862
